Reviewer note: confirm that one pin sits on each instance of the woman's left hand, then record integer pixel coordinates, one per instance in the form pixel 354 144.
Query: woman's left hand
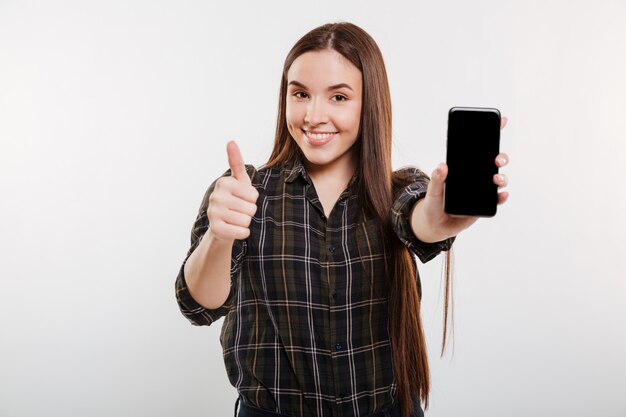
pixel 429 221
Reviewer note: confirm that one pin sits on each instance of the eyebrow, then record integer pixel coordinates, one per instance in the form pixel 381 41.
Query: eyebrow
pixel 332 87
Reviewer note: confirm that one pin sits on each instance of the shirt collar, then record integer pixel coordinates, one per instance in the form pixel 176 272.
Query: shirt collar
pixel 297 169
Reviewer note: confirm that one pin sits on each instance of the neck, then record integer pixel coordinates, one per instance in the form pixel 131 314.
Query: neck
pixel 339 172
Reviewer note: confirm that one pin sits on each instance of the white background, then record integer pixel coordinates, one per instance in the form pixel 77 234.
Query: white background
pixel 114 117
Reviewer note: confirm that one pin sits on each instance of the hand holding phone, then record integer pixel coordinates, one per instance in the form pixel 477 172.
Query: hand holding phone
pixel 436 217
pixel 473 144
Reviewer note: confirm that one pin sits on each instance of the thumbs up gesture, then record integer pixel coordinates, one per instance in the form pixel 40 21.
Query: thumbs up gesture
pixel 233 201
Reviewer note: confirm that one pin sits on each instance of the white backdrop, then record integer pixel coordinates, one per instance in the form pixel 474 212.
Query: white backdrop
pixel 113 121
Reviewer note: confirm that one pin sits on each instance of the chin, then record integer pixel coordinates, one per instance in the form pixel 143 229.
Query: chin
pixel 318 160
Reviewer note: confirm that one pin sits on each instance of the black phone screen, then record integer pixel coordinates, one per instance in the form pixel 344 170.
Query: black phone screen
pixel 473 144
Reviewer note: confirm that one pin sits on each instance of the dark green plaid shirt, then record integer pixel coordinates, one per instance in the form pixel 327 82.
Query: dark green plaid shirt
pixel 305 332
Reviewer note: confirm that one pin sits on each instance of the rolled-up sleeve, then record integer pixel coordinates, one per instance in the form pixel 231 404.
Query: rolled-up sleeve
pixel 189 307
pixel 405 199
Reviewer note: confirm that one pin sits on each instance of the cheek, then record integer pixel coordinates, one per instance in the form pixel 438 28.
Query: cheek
pixel 349 120
pixel 293 114
pixel 294 122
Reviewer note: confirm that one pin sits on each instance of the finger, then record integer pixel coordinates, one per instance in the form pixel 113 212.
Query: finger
pixel 228 231
pixel 501 180
pixel 247 193
pixel 435 186
pixel 502 197
pixel 502 159
pixel 235 161
pixel 243 206
pixel 234 187
pixel 235 218
pixel 503 121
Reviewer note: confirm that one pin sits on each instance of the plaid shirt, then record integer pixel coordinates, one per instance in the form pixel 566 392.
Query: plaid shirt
pixel 306 327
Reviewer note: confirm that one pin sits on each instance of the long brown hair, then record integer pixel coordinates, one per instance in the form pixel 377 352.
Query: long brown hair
pixel 376 187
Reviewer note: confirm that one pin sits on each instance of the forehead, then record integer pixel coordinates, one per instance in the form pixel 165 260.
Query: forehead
pixel 323 68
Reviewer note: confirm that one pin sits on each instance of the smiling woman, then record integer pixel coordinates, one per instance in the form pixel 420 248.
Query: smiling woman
pixel 311 257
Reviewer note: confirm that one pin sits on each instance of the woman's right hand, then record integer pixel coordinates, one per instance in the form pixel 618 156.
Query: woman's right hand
pixel 233 201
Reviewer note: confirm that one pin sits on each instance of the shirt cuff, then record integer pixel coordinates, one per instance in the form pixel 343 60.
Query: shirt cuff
pixel 400 220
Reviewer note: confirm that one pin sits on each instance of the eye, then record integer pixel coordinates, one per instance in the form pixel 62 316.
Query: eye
pixel 300 94
pixel 339 97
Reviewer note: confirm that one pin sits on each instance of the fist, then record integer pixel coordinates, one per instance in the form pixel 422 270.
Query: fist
pixel 233 201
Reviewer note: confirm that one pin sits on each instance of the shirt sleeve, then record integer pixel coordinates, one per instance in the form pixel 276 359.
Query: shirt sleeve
pixel 404 201
pixel 189 307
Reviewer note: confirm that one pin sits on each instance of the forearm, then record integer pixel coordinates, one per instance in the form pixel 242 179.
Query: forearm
pixel 207 271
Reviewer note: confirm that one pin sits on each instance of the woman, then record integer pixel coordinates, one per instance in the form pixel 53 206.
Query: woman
pixel 310 256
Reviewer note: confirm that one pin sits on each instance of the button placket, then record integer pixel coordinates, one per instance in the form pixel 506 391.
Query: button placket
pixel 336 252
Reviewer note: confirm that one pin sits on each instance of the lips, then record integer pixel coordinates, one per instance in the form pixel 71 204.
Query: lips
pixel 319 138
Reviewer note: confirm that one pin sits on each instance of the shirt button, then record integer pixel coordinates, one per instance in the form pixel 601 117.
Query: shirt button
pixel 335 295
pixel 338 346
pixel 331 249
pixel 342 395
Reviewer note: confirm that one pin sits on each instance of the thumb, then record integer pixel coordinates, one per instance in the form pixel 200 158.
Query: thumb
pixel 435 186
pixel 235 162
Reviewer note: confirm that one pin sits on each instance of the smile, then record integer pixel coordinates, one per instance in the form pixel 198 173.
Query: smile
pixel 319 138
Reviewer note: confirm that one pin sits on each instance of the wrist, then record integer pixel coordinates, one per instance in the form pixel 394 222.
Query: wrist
pixel 422 226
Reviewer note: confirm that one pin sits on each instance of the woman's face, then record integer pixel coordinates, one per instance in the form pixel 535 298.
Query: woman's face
pixel 323 109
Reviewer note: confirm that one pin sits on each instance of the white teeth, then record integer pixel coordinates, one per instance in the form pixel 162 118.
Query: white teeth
pixel 319 136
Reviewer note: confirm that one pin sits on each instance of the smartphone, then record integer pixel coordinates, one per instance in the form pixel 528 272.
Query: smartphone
pixel 473 144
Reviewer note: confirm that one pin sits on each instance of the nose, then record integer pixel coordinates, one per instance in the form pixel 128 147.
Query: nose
pixel 316 113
